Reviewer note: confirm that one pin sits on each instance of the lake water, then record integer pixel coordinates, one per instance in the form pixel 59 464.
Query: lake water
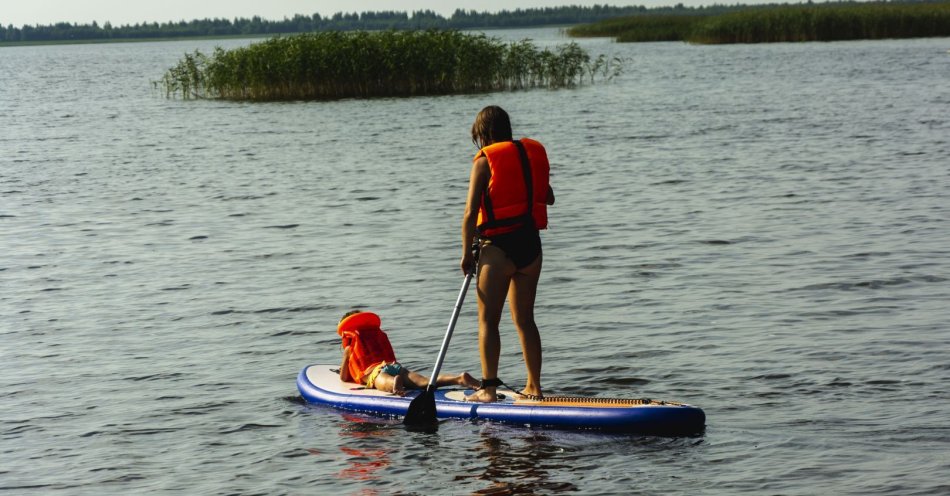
pixel 762 231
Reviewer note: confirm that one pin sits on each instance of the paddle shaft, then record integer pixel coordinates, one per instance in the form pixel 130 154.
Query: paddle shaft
pixel 448 332
pixel 422 410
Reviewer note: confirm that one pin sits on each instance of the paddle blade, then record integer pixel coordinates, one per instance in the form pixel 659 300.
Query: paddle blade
pixel 421 414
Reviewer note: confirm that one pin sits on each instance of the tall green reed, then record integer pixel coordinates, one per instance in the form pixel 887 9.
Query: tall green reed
pixel 360 64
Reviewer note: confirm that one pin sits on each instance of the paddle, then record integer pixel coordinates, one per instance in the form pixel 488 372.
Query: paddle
pixel 421 413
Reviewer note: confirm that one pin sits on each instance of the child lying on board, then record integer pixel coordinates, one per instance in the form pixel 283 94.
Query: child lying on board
pixel 368 358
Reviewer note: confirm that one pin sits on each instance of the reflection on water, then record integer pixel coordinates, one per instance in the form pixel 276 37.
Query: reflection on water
pixel 363 444
pixel 518 465
pixel 364 451
pixel 500 460
pixel 378 455
pixel 364 464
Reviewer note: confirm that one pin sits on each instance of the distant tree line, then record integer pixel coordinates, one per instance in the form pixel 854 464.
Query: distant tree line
pixel 385 20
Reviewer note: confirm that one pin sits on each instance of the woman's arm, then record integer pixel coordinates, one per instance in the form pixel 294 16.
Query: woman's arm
pixel 476 188
pixel 344 367
pixel 550 198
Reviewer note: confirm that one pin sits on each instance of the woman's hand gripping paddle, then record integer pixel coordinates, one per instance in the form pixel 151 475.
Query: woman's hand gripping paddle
pixel 421 414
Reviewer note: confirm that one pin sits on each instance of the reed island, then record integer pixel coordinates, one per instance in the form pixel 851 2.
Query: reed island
pixel 364 64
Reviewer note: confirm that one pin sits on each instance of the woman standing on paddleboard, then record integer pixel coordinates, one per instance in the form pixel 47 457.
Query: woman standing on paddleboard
pixel 508 195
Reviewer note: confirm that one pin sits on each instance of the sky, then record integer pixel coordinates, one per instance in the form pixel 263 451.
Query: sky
pixel 21 12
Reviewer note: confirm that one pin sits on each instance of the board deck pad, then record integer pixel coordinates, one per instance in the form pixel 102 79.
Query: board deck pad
pixel 321 384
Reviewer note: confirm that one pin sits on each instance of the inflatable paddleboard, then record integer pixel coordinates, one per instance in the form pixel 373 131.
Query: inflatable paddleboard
pixel 321 384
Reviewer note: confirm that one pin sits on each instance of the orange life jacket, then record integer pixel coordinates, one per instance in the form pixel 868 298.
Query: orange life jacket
pixel 369 345
pixel 505 205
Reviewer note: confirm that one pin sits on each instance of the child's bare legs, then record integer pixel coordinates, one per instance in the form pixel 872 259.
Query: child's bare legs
pixel 397 384
pixel 420 381
pixel 390 383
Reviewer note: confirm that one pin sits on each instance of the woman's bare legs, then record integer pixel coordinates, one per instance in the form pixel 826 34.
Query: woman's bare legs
pixel 497 279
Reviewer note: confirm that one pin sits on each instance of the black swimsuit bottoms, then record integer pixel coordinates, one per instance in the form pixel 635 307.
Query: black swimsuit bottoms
pixel 522 246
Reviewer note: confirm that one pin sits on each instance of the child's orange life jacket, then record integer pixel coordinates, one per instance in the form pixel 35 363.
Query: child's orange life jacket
pixel 369 345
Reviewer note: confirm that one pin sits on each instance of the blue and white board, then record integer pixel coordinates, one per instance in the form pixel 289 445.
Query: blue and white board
pixel 321 384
